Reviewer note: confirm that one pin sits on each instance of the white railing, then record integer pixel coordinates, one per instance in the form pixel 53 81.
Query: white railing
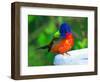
pixel 76 57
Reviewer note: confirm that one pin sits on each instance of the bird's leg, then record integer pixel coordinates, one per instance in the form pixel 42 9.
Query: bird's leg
pixel 63 54
pixel 67 53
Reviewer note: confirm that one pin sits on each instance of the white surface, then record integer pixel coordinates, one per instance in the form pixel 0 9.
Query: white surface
pixel 5 44
pixel 76 57
pixel 25 11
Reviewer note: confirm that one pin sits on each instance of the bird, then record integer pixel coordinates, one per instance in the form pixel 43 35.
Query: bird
pixel 62 41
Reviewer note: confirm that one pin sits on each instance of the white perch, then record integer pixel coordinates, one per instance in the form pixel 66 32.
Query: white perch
pixel 77 57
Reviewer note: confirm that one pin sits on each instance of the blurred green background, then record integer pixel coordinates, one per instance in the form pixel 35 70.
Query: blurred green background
pixel 41 30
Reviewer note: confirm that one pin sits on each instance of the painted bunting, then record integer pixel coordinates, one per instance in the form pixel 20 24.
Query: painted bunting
pixel 64 42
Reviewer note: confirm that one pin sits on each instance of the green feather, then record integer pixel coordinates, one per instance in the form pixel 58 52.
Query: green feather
pixel 57 34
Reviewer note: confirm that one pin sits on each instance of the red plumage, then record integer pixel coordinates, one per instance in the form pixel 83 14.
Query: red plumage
pixel 64 45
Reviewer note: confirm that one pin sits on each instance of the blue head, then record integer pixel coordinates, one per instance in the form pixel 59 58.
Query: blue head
pixel 64 28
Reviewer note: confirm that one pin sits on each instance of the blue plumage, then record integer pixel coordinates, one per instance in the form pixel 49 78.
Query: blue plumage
pixel 64 28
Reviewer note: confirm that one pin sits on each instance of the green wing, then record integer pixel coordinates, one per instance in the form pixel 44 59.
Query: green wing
pixel 57 34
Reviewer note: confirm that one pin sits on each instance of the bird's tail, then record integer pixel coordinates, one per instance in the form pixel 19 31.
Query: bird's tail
pixel 45 47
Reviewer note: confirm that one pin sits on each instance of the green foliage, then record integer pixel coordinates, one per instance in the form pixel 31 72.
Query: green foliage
pixel 41 30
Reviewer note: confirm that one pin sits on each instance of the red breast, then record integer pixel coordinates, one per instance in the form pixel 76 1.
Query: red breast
pixel 63 45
